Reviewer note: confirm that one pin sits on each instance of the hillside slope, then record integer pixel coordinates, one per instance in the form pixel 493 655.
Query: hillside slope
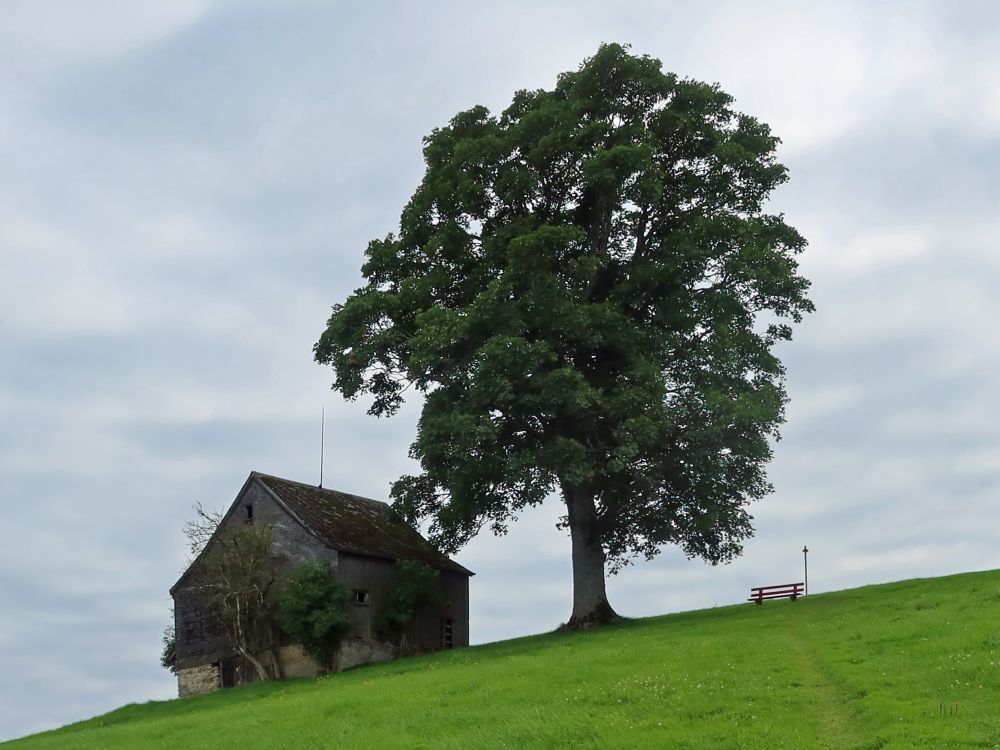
pixel 901 665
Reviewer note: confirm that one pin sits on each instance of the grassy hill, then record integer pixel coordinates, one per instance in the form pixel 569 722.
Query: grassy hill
pixel 901 665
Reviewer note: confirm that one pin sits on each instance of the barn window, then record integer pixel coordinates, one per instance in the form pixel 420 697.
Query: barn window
pixel 361 596
pixel 447 640
pixel 248 512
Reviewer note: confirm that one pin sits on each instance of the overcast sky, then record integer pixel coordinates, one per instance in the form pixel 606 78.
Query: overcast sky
pixel 186 187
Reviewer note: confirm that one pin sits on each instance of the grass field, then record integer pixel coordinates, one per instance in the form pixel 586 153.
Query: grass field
pixel 904 665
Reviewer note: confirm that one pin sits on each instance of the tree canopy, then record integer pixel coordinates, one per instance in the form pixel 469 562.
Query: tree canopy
pixel 587 290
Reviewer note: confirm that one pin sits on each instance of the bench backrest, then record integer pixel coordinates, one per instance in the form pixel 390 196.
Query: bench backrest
pixel 780 590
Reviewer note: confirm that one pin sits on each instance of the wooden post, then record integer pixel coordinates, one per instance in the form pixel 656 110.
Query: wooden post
pixel 805 564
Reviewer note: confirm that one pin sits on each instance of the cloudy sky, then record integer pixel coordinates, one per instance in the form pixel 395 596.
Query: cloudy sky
pixel 187 186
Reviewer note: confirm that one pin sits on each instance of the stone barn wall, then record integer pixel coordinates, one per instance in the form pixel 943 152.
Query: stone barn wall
pixel 196 680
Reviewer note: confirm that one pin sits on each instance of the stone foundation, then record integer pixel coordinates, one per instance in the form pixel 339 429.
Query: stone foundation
pixel 203 679
pixel 354 652
pixel 295 662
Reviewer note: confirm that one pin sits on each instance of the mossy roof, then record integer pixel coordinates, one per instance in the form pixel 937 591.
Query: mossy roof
pixel 353 524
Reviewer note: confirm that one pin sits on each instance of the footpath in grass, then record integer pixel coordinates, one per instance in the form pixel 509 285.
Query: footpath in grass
pixel 905 665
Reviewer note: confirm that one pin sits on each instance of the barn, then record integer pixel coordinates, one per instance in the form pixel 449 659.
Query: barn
pixel 362 541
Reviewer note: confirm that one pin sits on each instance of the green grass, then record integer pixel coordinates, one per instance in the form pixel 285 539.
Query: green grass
pixel 903 665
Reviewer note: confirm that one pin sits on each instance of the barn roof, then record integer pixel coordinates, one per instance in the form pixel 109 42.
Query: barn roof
pixel 358 525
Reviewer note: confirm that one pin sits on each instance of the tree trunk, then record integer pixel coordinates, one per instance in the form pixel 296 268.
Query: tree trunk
pixel 277 668
pixel 258 665
pixel 590 600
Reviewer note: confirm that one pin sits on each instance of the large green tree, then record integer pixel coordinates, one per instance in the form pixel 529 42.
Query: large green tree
pixel 587 290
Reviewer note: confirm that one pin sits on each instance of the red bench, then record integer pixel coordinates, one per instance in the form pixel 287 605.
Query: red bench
pixel 782 591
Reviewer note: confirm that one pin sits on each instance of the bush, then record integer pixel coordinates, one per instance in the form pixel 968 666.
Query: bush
pixel 414 586
pixel 315 610
pixel 168 657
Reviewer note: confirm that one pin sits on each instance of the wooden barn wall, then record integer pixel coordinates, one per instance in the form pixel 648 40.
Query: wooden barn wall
pixel 374 575
pixel 201 641
pixel 425 631
pixel 369 574
pixel 457 593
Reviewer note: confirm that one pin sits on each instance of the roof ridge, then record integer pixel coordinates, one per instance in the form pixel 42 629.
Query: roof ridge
pixel 319 488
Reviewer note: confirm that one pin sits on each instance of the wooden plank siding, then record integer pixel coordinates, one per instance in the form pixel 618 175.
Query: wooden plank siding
pixel 374 576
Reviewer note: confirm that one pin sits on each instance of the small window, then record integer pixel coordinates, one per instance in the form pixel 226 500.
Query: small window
pixel 360 596
pixel 447 638
pixel 248 512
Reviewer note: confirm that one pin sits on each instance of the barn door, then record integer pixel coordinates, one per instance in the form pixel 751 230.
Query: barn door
pixel 236 670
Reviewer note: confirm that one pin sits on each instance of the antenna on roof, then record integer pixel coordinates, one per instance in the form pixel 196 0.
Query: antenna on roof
pixel 322 441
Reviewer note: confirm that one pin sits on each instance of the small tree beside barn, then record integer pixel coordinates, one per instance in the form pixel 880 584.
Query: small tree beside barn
pixel 225 603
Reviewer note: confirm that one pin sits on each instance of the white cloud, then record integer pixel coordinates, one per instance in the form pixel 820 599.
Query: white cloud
pixel 950 422
pixel 815 404
pixel 67 31
pixel 800 70
pixel 867 252
pixel 53 285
